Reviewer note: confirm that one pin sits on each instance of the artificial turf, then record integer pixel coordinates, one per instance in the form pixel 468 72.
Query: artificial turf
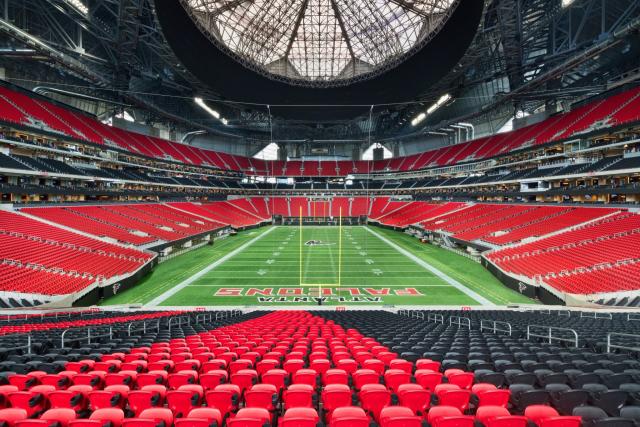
pixel 363 270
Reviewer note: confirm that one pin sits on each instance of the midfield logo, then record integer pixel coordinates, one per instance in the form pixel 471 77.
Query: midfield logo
pixel 314 294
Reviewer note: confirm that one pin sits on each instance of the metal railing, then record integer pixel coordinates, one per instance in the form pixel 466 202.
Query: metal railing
pixel 621 347
pixel 564 313
pixel 88 337
pixel 549 336
pixel 435 317
pixel 495 326
pixel 182 320
pixel 416 314
pixel 633 316
pixel 27 346
pixel 144 326
pixel 596 315
pixel 460 321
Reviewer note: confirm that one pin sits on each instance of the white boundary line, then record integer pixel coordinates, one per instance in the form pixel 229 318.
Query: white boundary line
pixel 180 286
pixel 480 299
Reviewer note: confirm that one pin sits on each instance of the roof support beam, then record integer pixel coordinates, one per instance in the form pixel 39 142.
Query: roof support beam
pixel 303 9
pixel 343 30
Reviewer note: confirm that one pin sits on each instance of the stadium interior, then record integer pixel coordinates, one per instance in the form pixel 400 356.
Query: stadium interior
pixel 307 213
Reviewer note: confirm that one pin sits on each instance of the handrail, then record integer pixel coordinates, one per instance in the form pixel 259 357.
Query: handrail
pixel 494 326
pixel 435 317
pixel 180 320
pixel 88 338
pixel 21 347
pixel 636 318
pixel 144 326
pixel 622 347
pixel 460 321
pixel 204 317
pixel 596 315
pixel 416 314
pixel 565 313
pixel 549 335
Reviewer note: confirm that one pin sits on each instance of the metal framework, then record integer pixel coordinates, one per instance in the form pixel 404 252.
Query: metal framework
pixel 320 43
pixel 527 55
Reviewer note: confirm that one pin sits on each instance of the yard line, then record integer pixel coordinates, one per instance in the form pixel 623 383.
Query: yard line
pixel 162 297
pixel 479 298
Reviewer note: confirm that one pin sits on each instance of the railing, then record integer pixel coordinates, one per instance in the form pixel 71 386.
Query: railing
pixel 460 321
pixel 596 315
pixel 144 326
pixel 186 320
pixel 633 316
pixel 495 326
pixel 565 313
pixel 622 347
pixel 88 337
pixel 27 346
pixel 435 317
pixel 549 334
pixel 416 314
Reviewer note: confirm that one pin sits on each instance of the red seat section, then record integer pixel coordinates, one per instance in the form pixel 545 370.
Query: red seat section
pixel 593 258
pixel 43 259
pixel 29 110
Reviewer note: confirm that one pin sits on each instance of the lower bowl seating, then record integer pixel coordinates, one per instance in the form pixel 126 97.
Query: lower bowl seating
pixel 298 369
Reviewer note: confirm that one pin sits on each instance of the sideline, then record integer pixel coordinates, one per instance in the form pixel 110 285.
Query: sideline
pixel 479 298
pixel 180 286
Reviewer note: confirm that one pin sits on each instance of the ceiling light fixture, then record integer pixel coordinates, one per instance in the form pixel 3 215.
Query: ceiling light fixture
pixel 420 117
pixel 79 6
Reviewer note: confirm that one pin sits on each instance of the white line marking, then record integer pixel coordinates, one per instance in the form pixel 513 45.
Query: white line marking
pixel 180 286
pixel 479 298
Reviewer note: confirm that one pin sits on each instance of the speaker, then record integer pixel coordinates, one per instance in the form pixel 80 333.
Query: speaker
pixel 378 153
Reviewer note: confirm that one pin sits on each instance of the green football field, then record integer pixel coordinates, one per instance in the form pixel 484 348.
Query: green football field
pixel 288 266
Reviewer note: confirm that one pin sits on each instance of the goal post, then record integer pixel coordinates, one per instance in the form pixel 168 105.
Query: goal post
pixel 301 256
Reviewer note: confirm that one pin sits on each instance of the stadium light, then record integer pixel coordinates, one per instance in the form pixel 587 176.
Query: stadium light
pixel 79 6
pixel 420 117
pixel 206 108
pixel 567 3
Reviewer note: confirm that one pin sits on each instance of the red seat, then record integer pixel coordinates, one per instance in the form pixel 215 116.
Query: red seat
pixel 224 397
pixel 414 397
pixel 112 415
pixel 250 417
pixel 335 396
pixel 244 379
pixel 208 414
pixel 365 376
pixel 513 421
pixel 180 402
pixel 394 377
pixel 158 415
pixel 537 413
pixel 299 417
pixel 486 413
pixel 213 378
pixel 457 398
pixel 99 399
pixel 23 382
pixel 67 399
pixel 349 416
pixel 60 415
pixel 428 379
pixel 305 376
pixel 374 397
pixel 261 396
pixel 140 400
pixel 428 364
pixel 463 380
pixel 493 397
pixel 33 403
pixel 9 416
pixel 399 416
pixel 298 396
pixel 277 377
pixel 335 376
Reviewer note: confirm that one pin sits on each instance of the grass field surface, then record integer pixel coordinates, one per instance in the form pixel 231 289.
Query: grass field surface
pixel 288 266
